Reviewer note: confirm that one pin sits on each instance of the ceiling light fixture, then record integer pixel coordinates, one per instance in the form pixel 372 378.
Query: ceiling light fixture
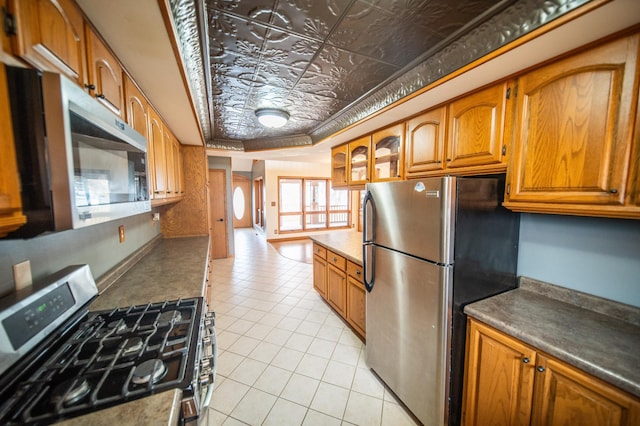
pixel 271 117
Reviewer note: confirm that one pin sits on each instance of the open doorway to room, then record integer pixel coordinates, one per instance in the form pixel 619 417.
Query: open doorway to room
pixel 241 201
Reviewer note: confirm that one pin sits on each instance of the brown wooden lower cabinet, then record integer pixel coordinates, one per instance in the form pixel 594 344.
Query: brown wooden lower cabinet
pixel 510 383
pixel 339 282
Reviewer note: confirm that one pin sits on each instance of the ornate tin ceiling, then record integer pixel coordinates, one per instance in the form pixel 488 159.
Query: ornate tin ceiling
pixel 331 63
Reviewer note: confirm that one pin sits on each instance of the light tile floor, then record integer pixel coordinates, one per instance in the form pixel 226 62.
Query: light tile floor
pixel 285 358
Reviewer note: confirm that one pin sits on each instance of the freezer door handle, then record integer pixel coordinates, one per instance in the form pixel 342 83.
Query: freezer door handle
pixel 368 219
pixel 368 238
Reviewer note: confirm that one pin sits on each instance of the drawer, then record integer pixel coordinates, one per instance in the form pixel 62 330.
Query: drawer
pixel 355 270
pixel 339 261
pixel 318 250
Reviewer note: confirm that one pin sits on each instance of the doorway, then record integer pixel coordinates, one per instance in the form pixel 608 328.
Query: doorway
pixel 218 213
pixel 241 201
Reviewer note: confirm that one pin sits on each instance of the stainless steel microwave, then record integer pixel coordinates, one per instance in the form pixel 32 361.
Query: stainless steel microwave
pixel 79 164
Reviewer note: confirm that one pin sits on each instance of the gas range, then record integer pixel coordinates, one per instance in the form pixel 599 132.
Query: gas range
pixel 60 361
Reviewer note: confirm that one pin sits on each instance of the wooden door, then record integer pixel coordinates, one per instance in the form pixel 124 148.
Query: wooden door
pixel 169 151
pixel 425 142
pixel 105 74
pixel 241 201
pixel 51 36
pixel 475 135
pixel 218 213
pixel 337 289
pixel 499 374
pixel 356 298
pixel 258 203
pixel 574 131
pixel 567 396
pixel 339 166
pixel 387 162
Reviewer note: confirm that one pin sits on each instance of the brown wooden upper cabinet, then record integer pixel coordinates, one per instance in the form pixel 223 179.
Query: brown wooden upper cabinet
pixel 387 162
pixel 574 135
pixel 105 74
pixel 359 161
pixel 158 160
pixel 425 150
pixel 475 134
pixel 50 36
pixel 11 217
pixel 339 166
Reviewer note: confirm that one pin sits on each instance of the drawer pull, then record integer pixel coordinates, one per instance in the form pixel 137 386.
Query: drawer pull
pixel 335 259
pixel 358 272
pixel 526 360
pixel 540 369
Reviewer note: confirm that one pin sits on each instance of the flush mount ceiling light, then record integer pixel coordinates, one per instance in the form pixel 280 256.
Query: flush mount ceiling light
pixel 271 117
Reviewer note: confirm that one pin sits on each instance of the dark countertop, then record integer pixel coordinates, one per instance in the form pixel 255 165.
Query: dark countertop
pixel 165 269
pixel 345 243
pixel 596 335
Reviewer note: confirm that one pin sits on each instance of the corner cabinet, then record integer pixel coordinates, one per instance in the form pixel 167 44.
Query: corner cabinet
pixel 50 36
pixel 574 149
pixel 510 383
pixel 11 216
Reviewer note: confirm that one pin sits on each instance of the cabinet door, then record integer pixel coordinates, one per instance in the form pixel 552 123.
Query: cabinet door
pixel 339 166
pixel 51 36
pixel 337 289
pixel 320 275
pixel 177 158
pixel 499 374
pixel 137 116
pixel 386 154
pixel 475 135
pixel 105 74
pixel 574 132
pixel 359 153
pixel 11 217
pixel 169 142
pixel 356 299
pixel 159 165
pixel 425 143
pixel 567 396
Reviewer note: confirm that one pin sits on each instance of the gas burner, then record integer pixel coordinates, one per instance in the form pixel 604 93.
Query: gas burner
pixel 132 346
pixel 70 391
pixel 170 317
pixel 151 370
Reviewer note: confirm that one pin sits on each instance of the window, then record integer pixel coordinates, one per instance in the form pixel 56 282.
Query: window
pixel 308 204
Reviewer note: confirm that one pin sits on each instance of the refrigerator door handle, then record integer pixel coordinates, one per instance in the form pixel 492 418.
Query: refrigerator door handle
pixel 368 238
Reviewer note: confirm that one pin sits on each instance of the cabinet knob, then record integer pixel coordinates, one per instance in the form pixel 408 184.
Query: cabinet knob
pixel 335 258
pixel 540 369
pixel 526 360
pixel 90 86
pixel 100 96
pixel 358 272
pixel 613 191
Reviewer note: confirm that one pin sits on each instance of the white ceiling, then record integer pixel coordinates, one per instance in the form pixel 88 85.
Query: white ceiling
pixel 136 32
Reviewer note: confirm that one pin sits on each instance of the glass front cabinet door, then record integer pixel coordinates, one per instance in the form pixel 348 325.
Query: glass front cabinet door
pixel 359 161
pixel 388 162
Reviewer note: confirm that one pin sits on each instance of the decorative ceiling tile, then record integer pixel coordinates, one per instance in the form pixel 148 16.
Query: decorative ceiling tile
pixel 331 63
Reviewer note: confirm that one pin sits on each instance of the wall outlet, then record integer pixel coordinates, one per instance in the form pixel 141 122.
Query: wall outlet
pixel 121 233
pixel 22 274
pixel 156 217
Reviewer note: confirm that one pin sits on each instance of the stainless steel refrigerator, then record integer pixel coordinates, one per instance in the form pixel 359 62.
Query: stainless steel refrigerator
pixel 430 247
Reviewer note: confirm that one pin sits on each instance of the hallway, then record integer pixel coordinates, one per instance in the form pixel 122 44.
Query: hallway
pixel 285 358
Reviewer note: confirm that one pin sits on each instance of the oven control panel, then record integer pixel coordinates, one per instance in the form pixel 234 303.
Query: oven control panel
pixel 34 317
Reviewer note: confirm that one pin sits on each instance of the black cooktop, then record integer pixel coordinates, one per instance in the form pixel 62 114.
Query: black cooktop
pixel 107 358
